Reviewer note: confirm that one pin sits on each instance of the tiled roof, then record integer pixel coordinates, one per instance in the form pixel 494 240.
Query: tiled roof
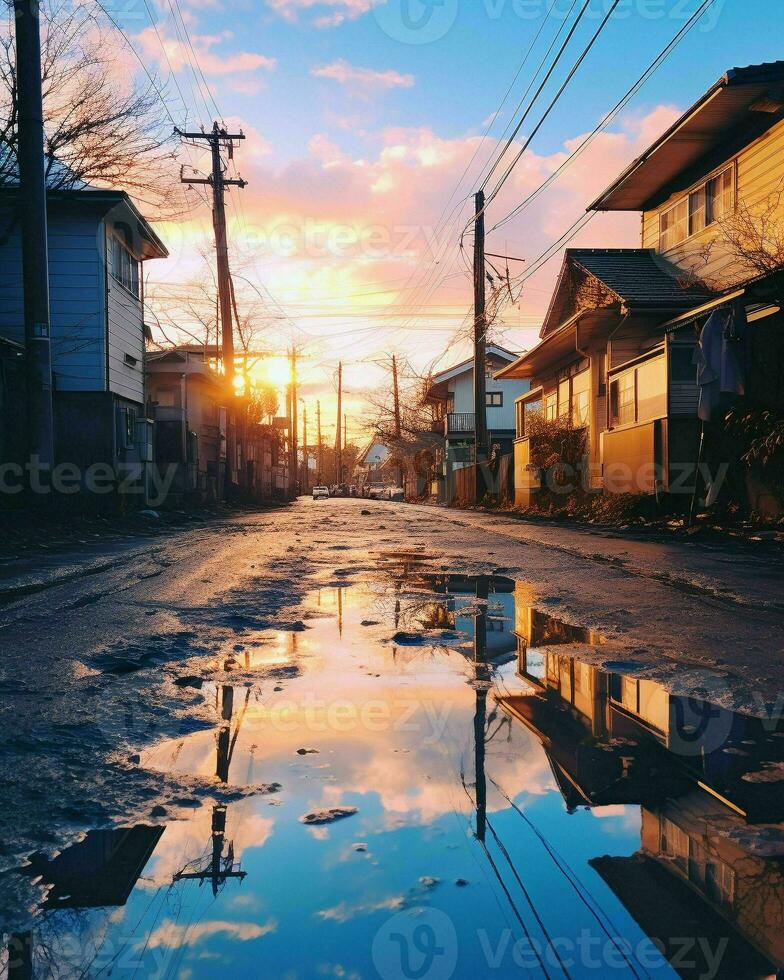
pixel 638 277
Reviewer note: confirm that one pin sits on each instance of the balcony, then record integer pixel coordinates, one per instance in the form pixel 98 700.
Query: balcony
pixel 460 424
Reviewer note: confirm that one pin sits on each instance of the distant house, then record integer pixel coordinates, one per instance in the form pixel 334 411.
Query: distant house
pixel 187 399
pixel 617 354
pixel 374 467
pixel 451 395
pixel 189 402
pixel 98 244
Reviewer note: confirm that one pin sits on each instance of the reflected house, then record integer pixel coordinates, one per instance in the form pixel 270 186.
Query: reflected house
pixel 98 872
pixel 692 878
pixel 711 863
pixel 458 609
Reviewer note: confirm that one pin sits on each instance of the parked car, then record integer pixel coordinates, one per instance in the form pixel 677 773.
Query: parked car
pixel 321 493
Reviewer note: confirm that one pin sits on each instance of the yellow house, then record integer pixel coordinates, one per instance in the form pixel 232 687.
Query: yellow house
pixel 616 355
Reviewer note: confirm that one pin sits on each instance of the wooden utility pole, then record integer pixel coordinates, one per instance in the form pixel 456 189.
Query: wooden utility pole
pixel 218 139
pixel 398 423
pixel 338 437
pixel 294 468
pixel 480 332
pixel 305 459
pixel 35 246
pixel 320 477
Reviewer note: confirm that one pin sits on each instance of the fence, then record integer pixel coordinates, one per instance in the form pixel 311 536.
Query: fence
pixel 472 484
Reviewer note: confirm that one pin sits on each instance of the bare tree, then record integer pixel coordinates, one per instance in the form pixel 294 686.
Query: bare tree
pixel 101 127
pixel 751 240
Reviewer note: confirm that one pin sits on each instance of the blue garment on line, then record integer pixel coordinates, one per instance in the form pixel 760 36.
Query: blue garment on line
pixel 720 359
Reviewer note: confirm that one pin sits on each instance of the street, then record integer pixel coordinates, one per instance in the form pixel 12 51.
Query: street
pixel 321 715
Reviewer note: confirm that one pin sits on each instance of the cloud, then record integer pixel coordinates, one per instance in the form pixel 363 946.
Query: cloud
pixel 344 73
pixel 177 54
pixel 338 222
pixel 171 935
pixel 338 10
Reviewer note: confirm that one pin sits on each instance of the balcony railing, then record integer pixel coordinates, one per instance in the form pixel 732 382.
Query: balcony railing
pixel 460 423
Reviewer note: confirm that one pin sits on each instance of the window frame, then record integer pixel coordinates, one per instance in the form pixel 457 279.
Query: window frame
pixel 124 267
pixel 687 198
pixel 494 395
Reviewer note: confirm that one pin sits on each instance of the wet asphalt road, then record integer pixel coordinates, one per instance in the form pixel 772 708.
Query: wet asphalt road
pixel 98 647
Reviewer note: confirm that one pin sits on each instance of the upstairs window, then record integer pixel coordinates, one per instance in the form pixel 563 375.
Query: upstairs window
pixel 495 399
pixel 698 210
pixel 123 266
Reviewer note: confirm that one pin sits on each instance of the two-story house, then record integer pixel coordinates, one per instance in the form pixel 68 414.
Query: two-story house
pixel 451 395
pixel 617 354
pixel 98 243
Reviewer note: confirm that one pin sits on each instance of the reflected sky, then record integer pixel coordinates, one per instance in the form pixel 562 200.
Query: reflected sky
pixel 489 786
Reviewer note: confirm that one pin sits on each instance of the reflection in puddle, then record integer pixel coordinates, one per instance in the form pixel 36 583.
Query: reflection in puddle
pixel 494 783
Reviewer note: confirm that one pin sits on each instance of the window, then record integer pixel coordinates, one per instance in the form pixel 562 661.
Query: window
pixel 698 210
pixel 674 225
pixel 719 194
pixel 564 399
pixel 580 409
pixel 524 409
pixel 639 394
pixel 551 406
pixel 494 399
pixel 123 266
pixel 622 399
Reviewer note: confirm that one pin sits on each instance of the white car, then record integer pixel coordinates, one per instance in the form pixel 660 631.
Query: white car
pixel 321 493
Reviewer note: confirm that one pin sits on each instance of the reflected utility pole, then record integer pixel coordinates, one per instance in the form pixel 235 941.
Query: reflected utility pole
pixel 482 675
pixel 221 867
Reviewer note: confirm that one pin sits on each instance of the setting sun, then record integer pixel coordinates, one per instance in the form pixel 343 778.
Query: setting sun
pixel 274 371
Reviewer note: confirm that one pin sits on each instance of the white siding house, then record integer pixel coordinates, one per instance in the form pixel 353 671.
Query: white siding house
pixel 452 395
pixel 98 242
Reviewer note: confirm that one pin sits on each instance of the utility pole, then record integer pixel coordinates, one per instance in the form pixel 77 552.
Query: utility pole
pixel 320 445
pixel 338 439
pixel 218 138
pixel 305 460
pixel 35 247
pixel 294 468
pixel 480 333
pixel 398 424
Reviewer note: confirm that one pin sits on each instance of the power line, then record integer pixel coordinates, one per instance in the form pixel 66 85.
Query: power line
pixel 613 113
pixel 554 101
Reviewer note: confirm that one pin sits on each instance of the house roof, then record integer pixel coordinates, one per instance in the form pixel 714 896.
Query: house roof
pixel 639 280
pixel 637 277
pixel 144 242
pixel 493 350
pixel 745 100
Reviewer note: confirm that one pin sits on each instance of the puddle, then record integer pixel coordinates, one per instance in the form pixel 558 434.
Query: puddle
pixel 435 768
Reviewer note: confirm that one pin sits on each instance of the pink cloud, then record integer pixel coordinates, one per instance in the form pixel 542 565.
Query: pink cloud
pixel 344 73
pixel 339 10
pixel 211 63
pixel 334 225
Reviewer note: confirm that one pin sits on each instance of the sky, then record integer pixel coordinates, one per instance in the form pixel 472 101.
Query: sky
pixel 369 125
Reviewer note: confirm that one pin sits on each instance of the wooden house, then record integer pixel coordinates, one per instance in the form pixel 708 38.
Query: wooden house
pixel 617 351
